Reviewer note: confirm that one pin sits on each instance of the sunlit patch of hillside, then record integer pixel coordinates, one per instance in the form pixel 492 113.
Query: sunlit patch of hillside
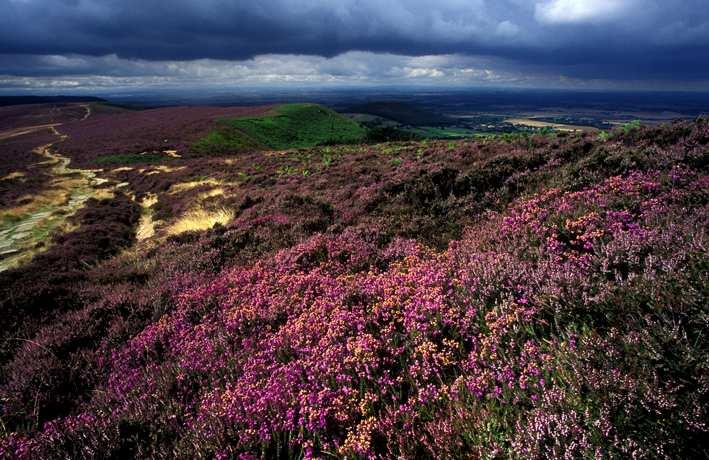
pixel 285 127
pixel 198 219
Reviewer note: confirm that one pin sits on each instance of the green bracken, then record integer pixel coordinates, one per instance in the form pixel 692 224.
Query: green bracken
pixel 288 126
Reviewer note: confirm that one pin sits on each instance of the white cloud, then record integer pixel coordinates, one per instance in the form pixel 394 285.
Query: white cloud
pixel 579 11
pixel 424 72
pixel 348 68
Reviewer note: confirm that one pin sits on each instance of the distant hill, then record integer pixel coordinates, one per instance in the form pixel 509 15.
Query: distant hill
pixel 287 126
pixel 402 112
pixel 22 100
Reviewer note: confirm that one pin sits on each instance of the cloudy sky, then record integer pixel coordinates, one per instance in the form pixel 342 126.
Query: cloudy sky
pixel 96 45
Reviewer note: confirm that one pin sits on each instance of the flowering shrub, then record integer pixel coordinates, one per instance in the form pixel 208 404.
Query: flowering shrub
pixel 570 323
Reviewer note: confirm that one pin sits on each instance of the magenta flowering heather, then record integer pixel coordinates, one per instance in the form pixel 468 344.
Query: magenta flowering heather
pixel 569 324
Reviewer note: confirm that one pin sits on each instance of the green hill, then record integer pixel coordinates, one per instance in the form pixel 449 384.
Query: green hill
pixel 286 127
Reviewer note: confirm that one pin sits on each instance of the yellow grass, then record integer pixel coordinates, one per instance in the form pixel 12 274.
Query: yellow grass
pixel 51 197
pixel 104 194
pixel 122 169
pixel 184 186
pixel 199 219
pixel 14 175
pixel 160 169
pixel 149 200
pixel 219 191
pixel 146 226
pixel 172 153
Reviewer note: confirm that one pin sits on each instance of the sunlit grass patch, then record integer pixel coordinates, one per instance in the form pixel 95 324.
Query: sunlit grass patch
pixel 146 225
pixel 219 191
pixel 104 194
pixel 286 127
pixel 122 169
pixel 14 175
pixel 228 139
pixel 51 197
pixel 184 186
pixel 199 219
pixel 161 169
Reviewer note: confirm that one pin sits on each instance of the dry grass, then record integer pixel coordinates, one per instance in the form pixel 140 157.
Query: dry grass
pixel 160 169
pixel 219 191
pixel 14 175
pixel 199 219
pixel 52 198
pixel 122 169
pixel 104 194
pixel 146 226
pixel 172 153
pixel 184 186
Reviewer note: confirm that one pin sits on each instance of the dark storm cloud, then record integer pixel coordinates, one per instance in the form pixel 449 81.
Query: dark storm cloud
pixel 597 39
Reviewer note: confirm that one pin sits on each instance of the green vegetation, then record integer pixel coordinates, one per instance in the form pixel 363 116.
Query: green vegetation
pixel 443 133
pixel 130 158
pixel 403 113
pixel 603 136
pixel 288 126
pixel 327 159
pixel 630 126
pixel 224 140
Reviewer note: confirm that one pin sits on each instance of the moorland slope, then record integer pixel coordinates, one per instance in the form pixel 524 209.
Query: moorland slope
pixel 526 297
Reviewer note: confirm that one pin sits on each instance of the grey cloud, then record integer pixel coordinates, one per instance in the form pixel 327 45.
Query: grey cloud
pixel 582 39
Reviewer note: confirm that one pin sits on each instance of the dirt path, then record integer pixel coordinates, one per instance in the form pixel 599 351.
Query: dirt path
pixel 26 230
pixel 88 111
pixel 25 130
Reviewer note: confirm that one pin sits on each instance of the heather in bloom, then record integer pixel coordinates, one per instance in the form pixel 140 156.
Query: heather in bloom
pixel 567 323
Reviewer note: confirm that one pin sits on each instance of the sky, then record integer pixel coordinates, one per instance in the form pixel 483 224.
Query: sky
pixel 63 46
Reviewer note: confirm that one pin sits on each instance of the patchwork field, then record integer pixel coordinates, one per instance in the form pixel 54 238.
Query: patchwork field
pixel 267 283
pixel 535 123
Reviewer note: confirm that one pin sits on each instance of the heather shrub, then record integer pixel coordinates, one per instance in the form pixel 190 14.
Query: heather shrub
pixel 50 283
pixel 564 316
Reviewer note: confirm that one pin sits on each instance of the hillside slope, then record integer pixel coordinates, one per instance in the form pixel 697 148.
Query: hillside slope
pixel 285 127
pixel 112 136
pixel 525 297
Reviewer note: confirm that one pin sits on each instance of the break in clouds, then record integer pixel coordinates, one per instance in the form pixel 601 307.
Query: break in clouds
pixel 583 43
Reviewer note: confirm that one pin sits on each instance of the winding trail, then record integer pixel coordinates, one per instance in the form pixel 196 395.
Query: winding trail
pixel 25 230
pixel 25 130
pixel 87 107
